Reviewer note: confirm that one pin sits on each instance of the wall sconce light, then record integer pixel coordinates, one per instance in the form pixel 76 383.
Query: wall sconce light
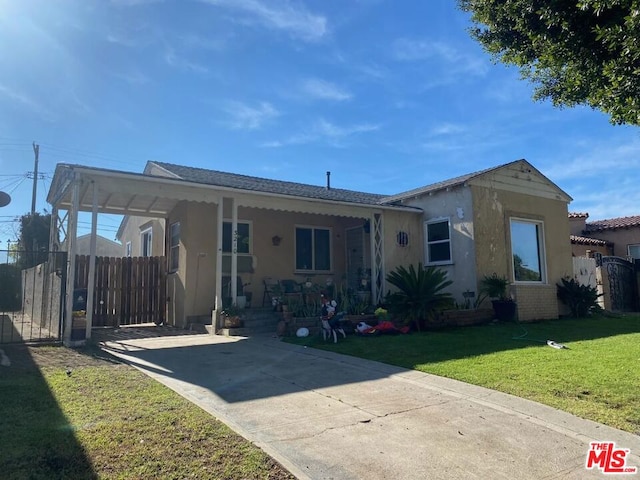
pixel 275 240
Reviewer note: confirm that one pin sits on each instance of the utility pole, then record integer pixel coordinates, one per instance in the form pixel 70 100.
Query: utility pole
pixel 36 151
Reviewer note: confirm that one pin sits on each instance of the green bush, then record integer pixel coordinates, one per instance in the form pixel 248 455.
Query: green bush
pixel 419 296
pixel 581 299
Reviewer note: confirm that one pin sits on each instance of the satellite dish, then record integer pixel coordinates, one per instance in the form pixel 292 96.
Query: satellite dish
pixel 5 199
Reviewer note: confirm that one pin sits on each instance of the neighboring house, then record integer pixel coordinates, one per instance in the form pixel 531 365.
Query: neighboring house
pixel 141 237
pixel 615 236
pixel 510 220
pixel 581 244
pixel 623 233
pixel 104 246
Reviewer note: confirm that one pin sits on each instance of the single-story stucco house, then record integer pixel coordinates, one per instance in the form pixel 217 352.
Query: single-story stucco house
pixel 510 220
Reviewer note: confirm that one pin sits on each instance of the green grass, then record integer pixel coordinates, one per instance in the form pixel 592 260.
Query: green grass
pixel 107 420
pixel 596 378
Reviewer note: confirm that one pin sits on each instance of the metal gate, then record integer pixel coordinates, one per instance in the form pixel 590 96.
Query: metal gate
pixel 32 289
pixel 622 283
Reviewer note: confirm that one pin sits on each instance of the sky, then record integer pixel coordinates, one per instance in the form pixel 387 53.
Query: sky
pixel 388 95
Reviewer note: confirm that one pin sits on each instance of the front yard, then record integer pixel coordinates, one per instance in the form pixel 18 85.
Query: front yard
pixel 597 377
pixel 82 415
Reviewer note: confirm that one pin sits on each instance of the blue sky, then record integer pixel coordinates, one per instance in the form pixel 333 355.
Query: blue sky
pixel 387 95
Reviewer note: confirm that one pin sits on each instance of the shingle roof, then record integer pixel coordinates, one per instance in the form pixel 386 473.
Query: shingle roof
pixel 258 184
pixel 613 223
pixel 578 215
pixel 452 182
pixel 588 241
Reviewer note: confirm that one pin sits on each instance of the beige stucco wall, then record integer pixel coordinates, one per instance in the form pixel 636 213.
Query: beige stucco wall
pixel 577 225
pixel 394 254
pixel 492 210
pixel 457 206
pixel 578 250
pixel 198 242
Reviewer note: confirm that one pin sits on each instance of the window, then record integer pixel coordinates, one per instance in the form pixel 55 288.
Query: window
pixel 402 238
pixel 127 249
pixel 438 234
pixel 174 246
pixel 633 251
pixel 313 249
pixel 244 237
pixel 527 247
pixel 145 243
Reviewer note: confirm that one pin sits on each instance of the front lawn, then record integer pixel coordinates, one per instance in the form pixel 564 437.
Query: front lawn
pixel 597 377
pixel 82 415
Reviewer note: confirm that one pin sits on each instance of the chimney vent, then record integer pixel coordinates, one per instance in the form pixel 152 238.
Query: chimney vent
pixel 328 180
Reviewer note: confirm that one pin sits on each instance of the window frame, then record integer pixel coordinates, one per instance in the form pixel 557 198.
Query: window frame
pixel 174 250
pixel 249 223
pixel 149 244
pixel 542 251
pixel 128 249
pixel 427 243
pixel 313 228
pixel 629 246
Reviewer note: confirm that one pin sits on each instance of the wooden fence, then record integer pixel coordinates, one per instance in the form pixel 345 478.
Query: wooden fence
pixel 128 291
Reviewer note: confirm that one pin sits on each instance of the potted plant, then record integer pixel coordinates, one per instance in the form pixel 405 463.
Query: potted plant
pixel 231 317
pixel 495 287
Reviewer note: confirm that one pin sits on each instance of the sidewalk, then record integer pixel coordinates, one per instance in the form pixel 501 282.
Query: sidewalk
pixel 329 416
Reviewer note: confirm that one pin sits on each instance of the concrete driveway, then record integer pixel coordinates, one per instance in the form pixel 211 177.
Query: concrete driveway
pixel 329 416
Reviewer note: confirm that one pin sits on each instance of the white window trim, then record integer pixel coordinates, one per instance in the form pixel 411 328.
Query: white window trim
pixel 427 243
pixel 542 253
pixel 295 249
pixel 127 249
pixel 248 222
pixel 629 249
pixel 142 242
pixel 171 247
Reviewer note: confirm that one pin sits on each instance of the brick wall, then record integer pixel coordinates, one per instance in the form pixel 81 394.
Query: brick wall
pixel 536 302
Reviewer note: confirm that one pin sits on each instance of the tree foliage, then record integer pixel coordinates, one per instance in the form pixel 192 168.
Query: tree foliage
pixel 33 243
pixel 576 52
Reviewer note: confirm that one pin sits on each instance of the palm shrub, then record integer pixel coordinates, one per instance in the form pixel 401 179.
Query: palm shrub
pixel 420 293
pixel 580 299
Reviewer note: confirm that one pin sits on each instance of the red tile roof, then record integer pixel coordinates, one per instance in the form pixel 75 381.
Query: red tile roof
pixel 578 215
pixel 613 223
pixel 589 241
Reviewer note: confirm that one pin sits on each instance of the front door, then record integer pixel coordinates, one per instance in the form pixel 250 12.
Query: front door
pixel 358 257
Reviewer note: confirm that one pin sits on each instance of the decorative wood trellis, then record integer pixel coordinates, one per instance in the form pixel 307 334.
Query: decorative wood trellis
pixel 128 291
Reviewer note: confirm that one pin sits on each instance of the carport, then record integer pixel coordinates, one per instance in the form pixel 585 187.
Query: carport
pixel 78 188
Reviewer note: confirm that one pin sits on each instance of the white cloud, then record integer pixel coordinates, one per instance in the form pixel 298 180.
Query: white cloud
pixel 321 89
pixel 596 159
pixel 324 131
pixel 245 117
pixel 328 129
pixel 409 50
pixel 27 101
pixel 446 129
pixel 182 63
pixel 279 15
